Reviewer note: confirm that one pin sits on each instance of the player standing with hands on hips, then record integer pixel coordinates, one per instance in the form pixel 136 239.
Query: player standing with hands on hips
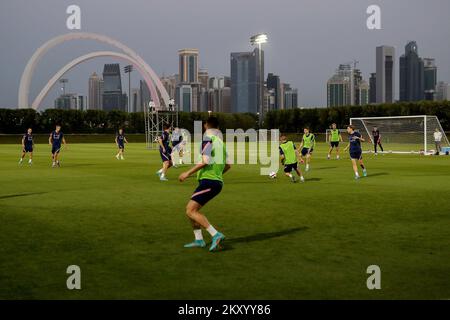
pixel 354 145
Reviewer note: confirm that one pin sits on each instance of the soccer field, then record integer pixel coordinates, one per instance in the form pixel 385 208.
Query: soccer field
pixel 126 229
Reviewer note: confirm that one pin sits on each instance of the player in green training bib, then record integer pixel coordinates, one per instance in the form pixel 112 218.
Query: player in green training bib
pixel 307 147
pixel 209 171
pixel 335 138
pixel 289 158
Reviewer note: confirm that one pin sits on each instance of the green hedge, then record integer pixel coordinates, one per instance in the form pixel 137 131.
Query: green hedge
pixel 319 119
pixel 14 121
pixel 97 121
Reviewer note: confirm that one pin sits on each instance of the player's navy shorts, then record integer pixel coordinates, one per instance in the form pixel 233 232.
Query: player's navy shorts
pixel 334 144
pixel 175 143
pixel 166 156
pixel 289 167
pixel 206 190
pixel 357 155
pixel 28 148
pixel 56 149
pixel 306 150
pixel 121 146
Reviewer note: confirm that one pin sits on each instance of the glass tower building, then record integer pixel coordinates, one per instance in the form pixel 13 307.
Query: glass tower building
pixel 245 81
pixel 412 84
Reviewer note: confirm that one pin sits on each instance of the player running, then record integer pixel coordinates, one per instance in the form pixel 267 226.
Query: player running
pixel 376 140
pixel 176 140
pixel 55 140
pixel 165 152
pixel 307 147
pixel 289 158
pixel 210 172
pixel 27 146
pixel 336 137
pixel 120 142
pixel 354 145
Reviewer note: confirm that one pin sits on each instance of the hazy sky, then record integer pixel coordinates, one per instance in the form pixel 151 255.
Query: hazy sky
pixel 307 38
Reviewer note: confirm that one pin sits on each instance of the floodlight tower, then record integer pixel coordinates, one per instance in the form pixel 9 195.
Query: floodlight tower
pixel 63 83
pixel 258 40
pixel 128 69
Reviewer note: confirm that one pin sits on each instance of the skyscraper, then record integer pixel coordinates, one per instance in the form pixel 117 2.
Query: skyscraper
pixel 385 57
pixel 94 92
pixel 442 91
pixel 273 83
pixel 362 93
pixel 113 98
pixel 145 94
pixel 412 86
pixel 203 78
pixel 290 98
pixel 136 105
pixel 430 78
pixel 245 81
pixel 183 97
pixel 188 65
pixel 340 87
pixel 373 88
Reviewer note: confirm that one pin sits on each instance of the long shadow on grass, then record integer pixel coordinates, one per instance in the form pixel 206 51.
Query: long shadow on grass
pixel 377 174
pixel 261 237
pixel 75 165
pixel 20 195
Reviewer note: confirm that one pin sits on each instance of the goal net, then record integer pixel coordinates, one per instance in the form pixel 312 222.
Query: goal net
pixel 408 134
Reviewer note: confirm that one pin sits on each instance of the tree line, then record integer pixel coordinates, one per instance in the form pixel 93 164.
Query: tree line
pixel 319 119
pixel 13 121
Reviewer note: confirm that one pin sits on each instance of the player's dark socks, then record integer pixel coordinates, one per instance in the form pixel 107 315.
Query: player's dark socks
pixel 381 147
pixel 362 166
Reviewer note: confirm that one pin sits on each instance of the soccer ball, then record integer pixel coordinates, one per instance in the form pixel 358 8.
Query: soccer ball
pixel 272 175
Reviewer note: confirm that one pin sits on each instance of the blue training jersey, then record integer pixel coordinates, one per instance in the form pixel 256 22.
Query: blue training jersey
pixel 165 138
pixel 120 139
pixel 355 144
pixel 28 139
pixel 57 138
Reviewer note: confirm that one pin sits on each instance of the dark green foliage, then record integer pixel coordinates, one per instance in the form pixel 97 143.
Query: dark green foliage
pixel 320 119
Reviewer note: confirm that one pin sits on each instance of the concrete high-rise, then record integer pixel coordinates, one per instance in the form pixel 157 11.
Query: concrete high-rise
pixel 274 83
pixel 412 84
pixel 430 78
pixel 94 92
pixel 340 87
pixel 246 81
pixel 373 88
pixel 188 65
pixel 113 98
pixel 203 78
pixel 385 57
pixel 442 91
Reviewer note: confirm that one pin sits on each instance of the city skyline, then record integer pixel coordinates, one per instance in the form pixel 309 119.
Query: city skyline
pixel 305 61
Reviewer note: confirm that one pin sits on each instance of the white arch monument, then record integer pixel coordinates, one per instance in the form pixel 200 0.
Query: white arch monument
pixel 149 75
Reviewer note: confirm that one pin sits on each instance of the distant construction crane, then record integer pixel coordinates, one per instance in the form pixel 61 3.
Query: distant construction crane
pixel 354 62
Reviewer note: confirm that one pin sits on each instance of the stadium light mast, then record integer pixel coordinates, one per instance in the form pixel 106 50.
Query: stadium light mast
pixel 258 40
pixel 128 69
pixel 63 83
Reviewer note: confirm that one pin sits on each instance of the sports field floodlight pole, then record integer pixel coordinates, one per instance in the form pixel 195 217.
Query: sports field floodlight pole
pixel 128 69
pixel 258 40
pixel 63 83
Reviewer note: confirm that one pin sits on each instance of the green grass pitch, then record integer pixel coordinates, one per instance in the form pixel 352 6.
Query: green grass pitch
pixel 126 229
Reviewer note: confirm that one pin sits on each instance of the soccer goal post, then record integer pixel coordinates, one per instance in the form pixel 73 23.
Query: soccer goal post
pixel 403 134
